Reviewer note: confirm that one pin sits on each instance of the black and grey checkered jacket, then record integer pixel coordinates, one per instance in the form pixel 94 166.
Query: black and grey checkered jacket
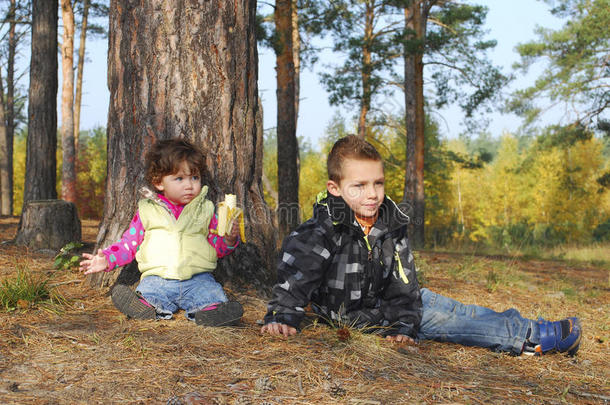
pixel 349 278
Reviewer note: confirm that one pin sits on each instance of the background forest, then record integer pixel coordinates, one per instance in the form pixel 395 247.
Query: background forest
pixel 543 186
pixel 389 69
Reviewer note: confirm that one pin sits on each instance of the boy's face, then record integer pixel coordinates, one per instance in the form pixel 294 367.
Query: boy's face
pixel 181 187
pixel 362 186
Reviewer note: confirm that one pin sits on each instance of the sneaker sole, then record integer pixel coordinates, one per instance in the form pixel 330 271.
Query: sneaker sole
pixel 227 314
pixel 128 302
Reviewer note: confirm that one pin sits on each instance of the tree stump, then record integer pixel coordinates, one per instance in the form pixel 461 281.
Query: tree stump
pixel 48 225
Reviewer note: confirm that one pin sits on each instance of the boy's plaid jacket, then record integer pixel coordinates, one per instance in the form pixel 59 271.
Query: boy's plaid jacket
pixel 347 277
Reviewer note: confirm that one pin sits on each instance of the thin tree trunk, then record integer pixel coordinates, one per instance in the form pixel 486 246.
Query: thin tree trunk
pixel 296 58
pixel 68 172
pixel 365 103
pixel 79 74
pixel 287 150
pixel 414 194
pixel 187 69
pixel 6 152
pixel 40 177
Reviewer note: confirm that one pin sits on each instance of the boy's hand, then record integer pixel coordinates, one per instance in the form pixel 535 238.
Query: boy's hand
pixel 279 329
pixel 94 264
pixel 231 237
pixel 400 339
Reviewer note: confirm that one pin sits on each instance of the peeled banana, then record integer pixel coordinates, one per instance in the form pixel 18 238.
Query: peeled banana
pixel 228 211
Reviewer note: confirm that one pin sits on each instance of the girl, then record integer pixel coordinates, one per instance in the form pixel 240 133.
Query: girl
pixel 173 238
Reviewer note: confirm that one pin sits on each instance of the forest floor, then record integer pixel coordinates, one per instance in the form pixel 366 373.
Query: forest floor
pixel 84 351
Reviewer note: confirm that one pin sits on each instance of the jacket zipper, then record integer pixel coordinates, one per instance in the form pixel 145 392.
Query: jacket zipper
pixel 368 267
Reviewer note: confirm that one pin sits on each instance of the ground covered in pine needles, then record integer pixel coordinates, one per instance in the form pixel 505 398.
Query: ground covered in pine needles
pixel 81 350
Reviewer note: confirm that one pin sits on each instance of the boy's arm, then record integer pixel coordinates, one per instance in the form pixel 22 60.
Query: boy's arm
pixel 401 302
pixel 223 245
pixel 302 263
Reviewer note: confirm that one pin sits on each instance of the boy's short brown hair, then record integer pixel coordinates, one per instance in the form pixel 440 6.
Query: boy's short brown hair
pixel 349 147
pixel 166 156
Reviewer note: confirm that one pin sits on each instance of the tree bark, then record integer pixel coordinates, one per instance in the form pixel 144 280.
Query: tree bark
pixel 40 177
pixel 79 74
pixel 414 195
pixel 6 153
pixel 4 156
pixel 188 69
pixel 365 103
pixel 48 225
pixel 68 172
pixel 296 58
pixel 288 150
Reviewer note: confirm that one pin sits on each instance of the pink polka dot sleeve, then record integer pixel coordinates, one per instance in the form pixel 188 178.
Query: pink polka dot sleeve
pixel 124 251
pixel 222 249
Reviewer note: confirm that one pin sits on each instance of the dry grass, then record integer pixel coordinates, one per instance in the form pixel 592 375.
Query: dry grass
pixel 90 353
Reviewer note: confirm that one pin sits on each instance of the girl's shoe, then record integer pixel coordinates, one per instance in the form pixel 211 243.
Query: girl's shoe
pixel 221 314
pixel 131 303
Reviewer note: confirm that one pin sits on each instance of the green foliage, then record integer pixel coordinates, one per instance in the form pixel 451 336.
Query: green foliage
pixel 67 259
pixel 576 73
pixel 312 178
pixel 358 81
pixel 91 171
pixel 312 173
pixel 455 54
pixel 492 281
pixel 91 175
pixel 19 151
pixel 543 194
pixel 601 232
pixel 25 290
pixel 270 168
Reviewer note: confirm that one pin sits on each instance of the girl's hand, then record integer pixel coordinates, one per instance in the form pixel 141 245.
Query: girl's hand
pixel 94 264
pixel 231 238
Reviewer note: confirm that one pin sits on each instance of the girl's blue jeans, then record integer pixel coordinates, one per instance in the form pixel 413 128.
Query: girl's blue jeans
pixel 447 320
pixel 168 296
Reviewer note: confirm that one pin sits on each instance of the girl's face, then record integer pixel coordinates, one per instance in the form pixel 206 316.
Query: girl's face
pixel 181 187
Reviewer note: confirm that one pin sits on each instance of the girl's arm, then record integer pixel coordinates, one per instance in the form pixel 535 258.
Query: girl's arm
pixel 124 251
pixel 223 245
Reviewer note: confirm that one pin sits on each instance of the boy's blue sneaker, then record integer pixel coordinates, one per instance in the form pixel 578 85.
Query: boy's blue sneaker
pixel 561 336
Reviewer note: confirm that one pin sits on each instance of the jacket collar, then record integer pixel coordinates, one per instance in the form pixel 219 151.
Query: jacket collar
pixel 390 216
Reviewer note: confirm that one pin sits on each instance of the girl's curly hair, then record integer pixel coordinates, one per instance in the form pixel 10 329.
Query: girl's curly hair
pixel 166 156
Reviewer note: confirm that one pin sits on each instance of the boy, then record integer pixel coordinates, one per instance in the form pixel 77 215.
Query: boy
pixel 353 262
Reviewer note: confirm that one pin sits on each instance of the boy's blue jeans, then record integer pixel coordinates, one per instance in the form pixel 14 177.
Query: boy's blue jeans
pixel 168 296
pixel 448 320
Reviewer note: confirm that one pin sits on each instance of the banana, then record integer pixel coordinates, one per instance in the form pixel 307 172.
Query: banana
pixel 222 218
pixel 228 211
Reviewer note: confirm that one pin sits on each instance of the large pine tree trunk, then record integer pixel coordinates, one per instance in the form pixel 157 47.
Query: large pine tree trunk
pixel 414 195
pixel 186 68
pixel 68 168
pixel 287 144
pixel 41 163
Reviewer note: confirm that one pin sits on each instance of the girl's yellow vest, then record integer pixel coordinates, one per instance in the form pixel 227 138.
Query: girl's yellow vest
pixel 176 248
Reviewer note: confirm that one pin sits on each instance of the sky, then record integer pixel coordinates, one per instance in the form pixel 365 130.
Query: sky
pixel 508 22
